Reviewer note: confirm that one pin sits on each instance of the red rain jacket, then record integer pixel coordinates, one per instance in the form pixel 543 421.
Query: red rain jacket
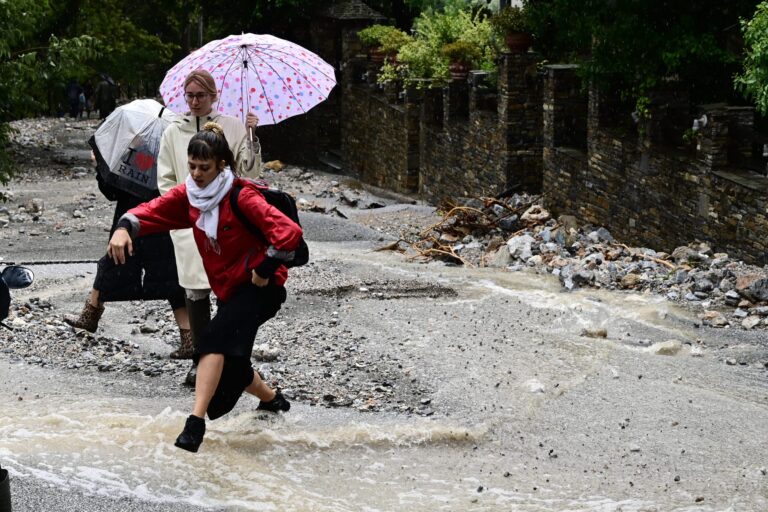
pixel 239 250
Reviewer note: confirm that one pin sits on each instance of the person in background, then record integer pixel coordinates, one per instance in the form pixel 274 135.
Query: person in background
pixel 246 274
pixel 105 96
pixel 74 91
pixel 201 94
pixel 150 274
pixel 81 105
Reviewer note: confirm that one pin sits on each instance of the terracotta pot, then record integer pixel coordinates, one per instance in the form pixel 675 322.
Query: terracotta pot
pixel 518 42
pixel 459 70
pixel 376 55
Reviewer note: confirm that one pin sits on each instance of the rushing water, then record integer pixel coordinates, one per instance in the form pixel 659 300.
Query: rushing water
pixel 259 462
pixel 251 461
pixel 319 459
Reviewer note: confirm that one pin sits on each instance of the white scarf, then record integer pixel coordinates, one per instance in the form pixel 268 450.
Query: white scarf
pixel 207 201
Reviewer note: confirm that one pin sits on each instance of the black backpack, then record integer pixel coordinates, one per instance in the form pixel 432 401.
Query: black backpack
pixel 283 202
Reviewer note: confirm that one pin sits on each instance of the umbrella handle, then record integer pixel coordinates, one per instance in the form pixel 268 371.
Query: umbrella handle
pixel 254 150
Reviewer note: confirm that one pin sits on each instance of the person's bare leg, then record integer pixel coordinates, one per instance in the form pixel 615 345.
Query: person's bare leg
pixel 93 298
pixel 182 317
pixel 208 374
pixel 260 389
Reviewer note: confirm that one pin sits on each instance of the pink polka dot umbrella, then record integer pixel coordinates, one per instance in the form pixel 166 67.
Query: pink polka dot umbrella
pixel 271 77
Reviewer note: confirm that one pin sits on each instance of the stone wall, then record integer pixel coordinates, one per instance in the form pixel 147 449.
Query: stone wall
pixel 379 138
pixel 466 139
pixel 540 133
pixel 654 195
pixel 460 150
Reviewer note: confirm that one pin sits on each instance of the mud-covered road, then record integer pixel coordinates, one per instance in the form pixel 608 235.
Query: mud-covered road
pixel 415 386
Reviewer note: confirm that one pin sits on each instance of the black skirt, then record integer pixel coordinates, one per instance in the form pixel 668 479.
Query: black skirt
pixel 232 332
pixel 150 274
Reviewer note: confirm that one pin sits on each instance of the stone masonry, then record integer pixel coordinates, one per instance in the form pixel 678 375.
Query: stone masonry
pixel 653 195
pixel 539 132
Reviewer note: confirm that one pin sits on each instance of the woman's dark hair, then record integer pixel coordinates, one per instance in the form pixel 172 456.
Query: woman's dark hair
pixel 210 143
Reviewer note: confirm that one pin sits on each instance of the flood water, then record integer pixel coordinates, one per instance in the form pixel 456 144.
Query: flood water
pixel 256 461
pixel 493 446
pixel 249 461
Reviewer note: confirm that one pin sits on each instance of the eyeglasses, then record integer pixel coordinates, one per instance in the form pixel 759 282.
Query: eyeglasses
pixel 199 96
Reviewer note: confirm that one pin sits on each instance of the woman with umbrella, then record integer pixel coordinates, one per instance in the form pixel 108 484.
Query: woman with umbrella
pixel 200 94
pixel 247 276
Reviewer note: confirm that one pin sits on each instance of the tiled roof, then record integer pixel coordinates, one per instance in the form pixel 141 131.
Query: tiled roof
pixel 352 10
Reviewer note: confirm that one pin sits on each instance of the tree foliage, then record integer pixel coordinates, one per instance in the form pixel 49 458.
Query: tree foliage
pixel 34 65
pixel 136 45
pixel 634 47
pixel 753 80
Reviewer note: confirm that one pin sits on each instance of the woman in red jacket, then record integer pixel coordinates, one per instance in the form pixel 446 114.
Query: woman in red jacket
pixel 247 277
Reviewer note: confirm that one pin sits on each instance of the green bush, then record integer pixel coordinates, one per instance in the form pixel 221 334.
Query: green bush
pixel 374 35
pixel 509 20
pixel 463 31
pixel 753 81
pixel 391 42
pixel 461 51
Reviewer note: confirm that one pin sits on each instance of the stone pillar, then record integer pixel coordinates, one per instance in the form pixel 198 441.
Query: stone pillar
pixel 520 117
pixel 432 108
pixel 476 80
pixel 564 108
pixel 726 140
pixel 392 90
pixel 593 112
pixel 455 101
pixel 413 101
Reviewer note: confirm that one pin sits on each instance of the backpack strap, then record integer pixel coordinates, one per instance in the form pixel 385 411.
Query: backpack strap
pixel 233 195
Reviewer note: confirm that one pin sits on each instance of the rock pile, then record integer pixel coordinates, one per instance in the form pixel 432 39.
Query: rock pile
pixel 41 337
pixel 37 133
pixel 518 233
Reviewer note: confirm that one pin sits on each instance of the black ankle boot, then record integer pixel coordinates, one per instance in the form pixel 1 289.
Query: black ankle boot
pixel 191 377
pixel 192 435
pixel 279 403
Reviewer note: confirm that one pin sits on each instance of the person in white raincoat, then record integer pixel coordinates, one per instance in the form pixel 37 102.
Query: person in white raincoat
pixel 200 94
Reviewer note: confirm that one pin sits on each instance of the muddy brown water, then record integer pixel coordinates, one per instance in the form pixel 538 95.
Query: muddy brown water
pixel 528 414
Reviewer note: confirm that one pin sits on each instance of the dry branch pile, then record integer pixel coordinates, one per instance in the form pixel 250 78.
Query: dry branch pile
pixel 483 219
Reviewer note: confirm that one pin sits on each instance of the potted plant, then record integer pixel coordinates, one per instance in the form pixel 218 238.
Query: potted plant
pixel 692 140
pixel 461 55
pixel 513 25
pixel 382 41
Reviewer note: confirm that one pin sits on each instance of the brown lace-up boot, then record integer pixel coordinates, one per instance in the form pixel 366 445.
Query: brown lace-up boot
pixel 88 319
pixel 187 349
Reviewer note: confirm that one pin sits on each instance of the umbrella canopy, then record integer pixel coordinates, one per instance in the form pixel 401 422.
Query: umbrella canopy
pixel 273 78
pixel 126 145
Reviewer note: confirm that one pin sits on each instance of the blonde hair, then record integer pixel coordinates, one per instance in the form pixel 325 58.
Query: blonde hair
pixel 212 126
pixel 202 78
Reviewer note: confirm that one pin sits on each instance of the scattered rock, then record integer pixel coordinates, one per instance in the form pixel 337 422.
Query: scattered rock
pixel 274 165
pixel 536 214
pixel 751 322
pixel 714 319
pixel 666 348
pixel 594 333
pixel 630 281
pixel 264 352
